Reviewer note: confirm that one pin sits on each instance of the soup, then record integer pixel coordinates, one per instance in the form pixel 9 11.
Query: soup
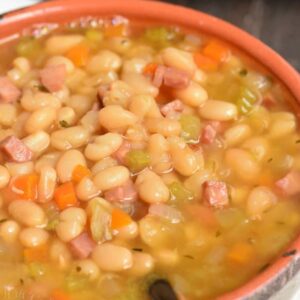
pixel 140 162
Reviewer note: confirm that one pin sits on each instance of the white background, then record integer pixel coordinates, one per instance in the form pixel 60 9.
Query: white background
pixel 292 289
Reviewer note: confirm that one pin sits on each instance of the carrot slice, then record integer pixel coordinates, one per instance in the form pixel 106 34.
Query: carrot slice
pixel 119 219
pixel 115 30
pixel 79 55
pixel 64 196
pixel 59 295
pixel 25 186
pixel 205 63
pixel 241 253
pixel 79 173
pixel 216 50
pixel 36 254
pixel 150 69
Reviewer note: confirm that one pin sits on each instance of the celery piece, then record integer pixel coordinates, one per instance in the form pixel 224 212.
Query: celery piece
pixel 230 217
pixel 94 35
pixel 191 128
pixel 100 219
pixel 36 269
pixel 246 100
pixel 137 160
pixel 52 224
pixel 159 36
pixel 179 193
pixel 75 282
pixel 28 47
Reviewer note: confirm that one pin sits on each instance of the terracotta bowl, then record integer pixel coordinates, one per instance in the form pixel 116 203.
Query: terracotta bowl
pixel 285 267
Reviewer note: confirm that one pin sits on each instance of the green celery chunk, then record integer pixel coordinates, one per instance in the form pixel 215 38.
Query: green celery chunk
pixel 75 282
pixel 179 193
pixel 191 128
pixel 137 160
pixel 246 100
pixel 36 269
pixel 230 217
pixel 100 219
pixel 94 35
pixel 159 36
pixel 28 47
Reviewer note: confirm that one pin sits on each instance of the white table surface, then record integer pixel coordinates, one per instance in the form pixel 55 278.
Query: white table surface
pixel 292 290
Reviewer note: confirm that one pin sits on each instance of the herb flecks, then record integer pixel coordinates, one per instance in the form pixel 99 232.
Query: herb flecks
pixel 137 249
pixel 64 124
pixel 189 256
pixel 243 72
pixel 297 141
pixel 264 267
pixel 270 159
pixel 289 253
pixel 3 220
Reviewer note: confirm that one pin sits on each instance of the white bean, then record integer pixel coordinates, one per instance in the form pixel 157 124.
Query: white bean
pixel 4 177
pixel 259 201
pixel 37 142
pixel 8 114
pixel 71 223
pixel 86 189
pixel 16 169
pixel 179 59
pixel 218 110
pixel 104 146
pixel 242 164
pixel 47 184
pixel 194 95
pixel 33 237
pixel 90 121
pixel 60 254
pixel 237 134
pixel 283 123
pixel 73 137
pixel 114 117
pixel 60 44
pixel 27 213
pixel 67 163
pixel 143 263
pixel 66 114
pixel 151 188
pixel 111 177
pixel 104 61
pixel 61 60
pixel 32 102
pixel 40 119
pixel 112 258
pixel 9 231
pixel 88 268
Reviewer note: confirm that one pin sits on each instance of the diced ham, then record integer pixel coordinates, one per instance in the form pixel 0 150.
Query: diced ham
pixel 166 212
pixel 53 77
pixel 173 106
pixel 215 193
pixel 126 192
pixel 208 135
pixel 170 77
pixel 82 245
pixel 158 77
pixel 268 101
pixel 205 215
pixel 9 93
pixel 210 131
pixel 15 150
pixel 176 78
pixel 120 154
pixel 289 185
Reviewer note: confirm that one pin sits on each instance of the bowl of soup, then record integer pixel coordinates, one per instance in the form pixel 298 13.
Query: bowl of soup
pixel 148 151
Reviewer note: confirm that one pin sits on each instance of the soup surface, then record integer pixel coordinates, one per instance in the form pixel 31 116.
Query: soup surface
pixel 140 162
